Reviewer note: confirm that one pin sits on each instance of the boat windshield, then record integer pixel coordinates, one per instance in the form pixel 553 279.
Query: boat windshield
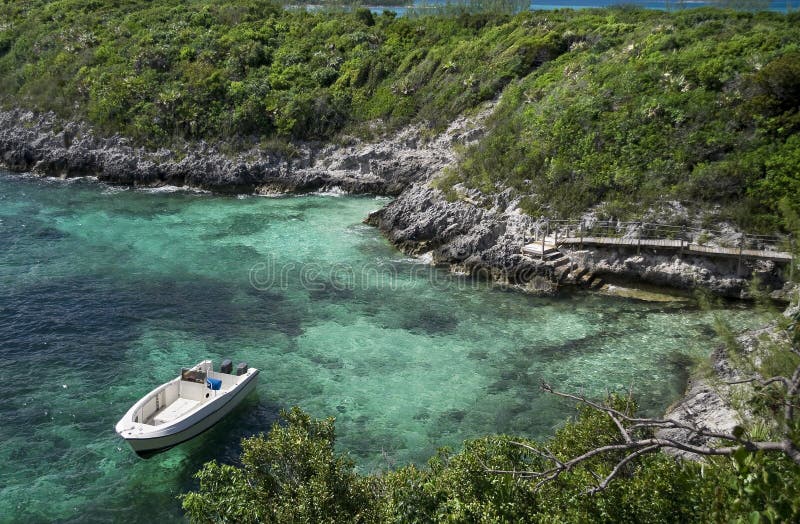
pixel 193 375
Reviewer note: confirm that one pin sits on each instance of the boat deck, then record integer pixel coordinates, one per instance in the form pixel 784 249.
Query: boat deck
pixel 180 397
pixel 175 410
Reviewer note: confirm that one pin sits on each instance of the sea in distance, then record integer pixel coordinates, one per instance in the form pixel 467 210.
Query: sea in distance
pixel 421 6
pixel 106 292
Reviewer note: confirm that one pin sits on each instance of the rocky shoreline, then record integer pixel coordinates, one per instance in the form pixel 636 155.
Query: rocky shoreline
pixel 43 144
pixel 487 241
pixel 476 234
pixel 713 398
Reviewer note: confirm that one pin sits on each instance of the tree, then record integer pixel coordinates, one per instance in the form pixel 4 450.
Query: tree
pixel 291 475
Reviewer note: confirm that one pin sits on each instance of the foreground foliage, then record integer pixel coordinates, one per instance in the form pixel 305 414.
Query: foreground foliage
pixel 293 475
pixel 624 106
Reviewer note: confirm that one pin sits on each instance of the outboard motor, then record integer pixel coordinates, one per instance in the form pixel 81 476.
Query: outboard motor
pixel 226 367
pixel 241 368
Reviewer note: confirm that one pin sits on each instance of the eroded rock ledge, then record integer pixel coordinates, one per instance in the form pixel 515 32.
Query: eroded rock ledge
pixel 487 240
pixel 42 144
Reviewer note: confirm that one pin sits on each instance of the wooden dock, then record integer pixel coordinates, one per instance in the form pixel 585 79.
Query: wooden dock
pixel 550 243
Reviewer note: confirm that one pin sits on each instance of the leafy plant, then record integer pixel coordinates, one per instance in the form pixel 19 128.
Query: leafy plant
pixel 293 475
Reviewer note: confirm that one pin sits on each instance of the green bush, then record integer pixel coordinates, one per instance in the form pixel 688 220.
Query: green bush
pixel 293 475
pixel 203 69
pixel 700 106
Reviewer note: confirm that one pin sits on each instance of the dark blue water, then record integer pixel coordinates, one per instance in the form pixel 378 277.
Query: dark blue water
pixel 774 5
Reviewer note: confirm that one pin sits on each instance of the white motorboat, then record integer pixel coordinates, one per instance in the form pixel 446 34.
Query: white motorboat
pixel 185 406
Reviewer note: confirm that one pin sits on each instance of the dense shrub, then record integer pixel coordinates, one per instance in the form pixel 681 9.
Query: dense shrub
pixel 700 106
pixel 293 475
pixel 203 69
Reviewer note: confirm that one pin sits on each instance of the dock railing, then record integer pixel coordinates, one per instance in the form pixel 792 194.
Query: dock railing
pixel 653 235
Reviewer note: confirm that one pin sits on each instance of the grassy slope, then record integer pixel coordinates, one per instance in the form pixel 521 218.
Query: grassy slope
pixel 199 68
pixel 700 106
pixel 624 106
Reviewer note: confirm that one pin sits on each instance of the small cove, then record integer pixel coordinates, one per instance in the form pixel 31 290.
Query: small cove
pixel 105 292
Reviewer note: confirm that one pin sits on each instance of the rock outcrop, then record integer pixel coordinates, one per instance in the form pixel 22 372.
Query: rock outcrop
pixel 710 402
pixel 42 144
pixel 474 239
pixel 485 235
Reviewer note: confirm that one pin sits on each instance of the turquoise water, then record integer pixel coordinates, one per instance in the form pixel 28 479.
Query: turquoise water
pixel 105 293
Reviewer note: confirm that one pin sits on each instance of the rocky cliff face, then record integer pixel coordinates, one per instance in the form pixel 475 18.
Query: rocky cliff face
pixel 488 238
pixel 720 276
pixel 40 143
pixel 483 241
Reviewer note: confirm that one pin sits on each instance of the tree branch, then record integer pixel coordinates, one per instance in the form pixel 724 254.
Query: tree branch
pixel 783 380
pixel 603 485
pixel 634 448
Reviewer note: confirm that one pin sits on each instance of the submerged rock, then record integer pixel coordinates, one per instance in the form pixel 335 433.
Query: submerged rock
pixel 641 294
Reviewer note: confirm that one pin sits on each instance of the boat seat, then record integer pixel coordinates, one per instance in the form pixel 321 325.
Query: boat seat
pixel 175 410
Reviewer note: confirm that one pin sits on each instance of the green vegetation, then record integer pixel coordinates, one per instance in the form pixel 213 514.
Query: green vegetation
pixel 203 69
pixel 293 475
pixel 700 106
pixel 344 4
pixel 623 106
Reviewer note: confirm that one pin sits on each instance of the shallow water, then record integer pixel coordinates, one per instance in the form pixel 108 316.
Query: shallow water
pixel 105 293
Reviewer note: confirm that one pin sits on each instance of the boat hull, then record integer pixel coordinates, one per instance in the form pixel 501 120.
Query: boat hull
pixel 164 438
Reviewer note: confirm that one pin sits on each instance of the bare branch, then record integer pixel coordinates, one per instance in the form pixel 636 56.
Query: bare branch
pixel 546 454
pixel 635 448
pixel 783 380
pixel 603 485
pixel 621 428
pixel 793 390
pixel 638 423
pixel 638 448
pixel 547 388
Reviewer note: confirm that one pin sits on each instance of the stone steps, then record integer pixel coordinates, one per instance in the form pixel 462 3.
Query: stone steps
pixel 558 262
pixel 578 273
pixel 590 281
pixel 535 250
pixel 561 265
